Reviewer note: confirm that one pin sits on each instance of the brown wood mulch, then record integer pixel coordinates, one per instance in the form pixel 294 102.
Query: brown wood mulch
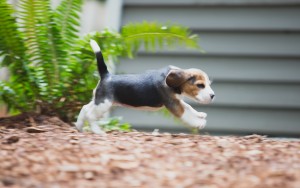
pixel 40 151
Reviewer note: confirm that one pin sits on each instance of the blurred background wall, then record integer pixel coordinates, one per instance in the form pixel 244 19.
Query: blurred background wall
pixel 253 57
pixel 95 16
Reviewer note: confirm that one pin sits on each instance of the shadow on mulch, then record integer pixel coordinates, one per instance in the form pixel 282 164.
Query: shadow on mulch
pixel 29 120
pixel 41 151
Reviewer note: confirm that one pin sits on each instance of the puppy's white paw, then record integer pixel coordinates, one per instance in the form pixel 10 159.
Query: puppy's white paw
pixel 79 126
pixel 96 129
pixel 193 119
pixel 201 123
pixel 196 122
pixel 102 133
pixel 202 114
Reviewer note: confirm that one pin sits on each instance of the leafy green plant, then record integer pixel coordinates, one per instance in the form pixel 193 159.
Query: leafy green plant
pixel 52 69
pixel 112 124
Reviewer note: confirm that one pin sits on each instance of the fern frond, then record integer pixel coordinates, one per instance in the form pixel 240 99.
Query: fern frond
pixel 68 20
pixel 154 35
pixel 44 44
pixel 11 45
pixel 32 19
pixel 32 16
pixel 13 50
pixel 12 94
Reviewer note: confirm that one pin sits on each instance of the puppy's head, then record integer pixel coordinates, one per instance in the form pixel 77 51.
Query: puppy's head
pixel 193 83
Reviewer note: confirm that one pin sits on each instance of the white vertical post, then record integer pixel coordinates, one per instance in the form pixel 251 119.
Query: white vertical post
pixel 113 14
pixel 3 76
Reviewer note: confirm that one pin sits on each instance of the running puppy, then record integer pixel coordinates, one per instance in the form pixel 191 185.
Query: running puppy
pixel 151 90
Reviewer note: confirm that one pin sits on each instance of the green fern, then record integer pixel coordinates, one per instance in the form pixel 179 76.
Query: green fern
pixel 53 70
pixel 12 50
pixel 68 23
pixel 67 19
pixel 11 45
pixel 42 62
pixel 155 35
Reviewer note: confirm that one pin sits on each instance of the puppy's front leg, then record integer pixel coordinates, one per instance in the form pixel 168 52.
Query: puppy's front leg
pixel 187 114
pixel 192 117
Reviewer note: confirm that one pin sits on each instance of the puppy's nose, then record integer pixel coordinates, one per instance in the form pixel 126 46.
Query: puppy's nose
pixel 212 96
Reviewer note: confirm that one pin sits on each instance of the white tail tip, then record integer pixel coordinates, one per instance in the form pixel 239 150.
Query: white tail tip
pixel 95 46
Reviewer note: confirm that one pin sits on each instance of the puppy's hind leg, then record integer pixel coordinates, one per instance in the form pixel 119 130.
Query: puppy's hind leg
pixel 95 113
pixel 82 116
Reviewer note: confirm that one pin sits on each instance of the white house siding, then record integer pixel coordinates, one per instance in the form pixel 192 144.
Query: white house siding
pixel 253 57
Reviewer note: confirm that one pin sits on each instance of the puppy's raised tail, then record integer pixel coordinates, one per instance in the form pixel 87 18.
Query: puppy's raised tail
pixel 102 68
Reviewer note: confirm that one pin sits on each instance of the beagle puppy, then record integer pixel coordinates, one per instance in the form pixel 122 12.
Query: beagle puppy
pixel 151 91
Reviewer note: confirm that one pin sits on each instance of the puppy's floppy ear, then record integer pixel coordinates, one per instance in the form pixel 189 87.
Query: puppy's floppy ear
pixel 176 78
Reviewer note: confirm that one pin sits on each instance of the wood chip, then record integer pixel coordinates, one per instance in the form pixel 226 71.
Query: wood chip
pixel 61 157
pixel 34 130
pixel 12 139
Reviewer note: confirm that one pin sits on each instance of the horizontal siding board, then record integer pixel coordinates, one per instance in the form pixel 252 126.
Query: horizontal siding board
pixel 219 17
pixel 210 2
pixel 221 68
pixel 247 44
pixel 144 119
pixel 262 120
pixel 253 56
pixel 251 43
pixel 257 95
pixel 243 120
pixel 192 52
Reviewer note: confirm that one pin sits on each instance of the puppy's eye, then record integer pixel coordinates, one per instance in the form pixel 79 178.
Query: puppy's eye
pixel 201 86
